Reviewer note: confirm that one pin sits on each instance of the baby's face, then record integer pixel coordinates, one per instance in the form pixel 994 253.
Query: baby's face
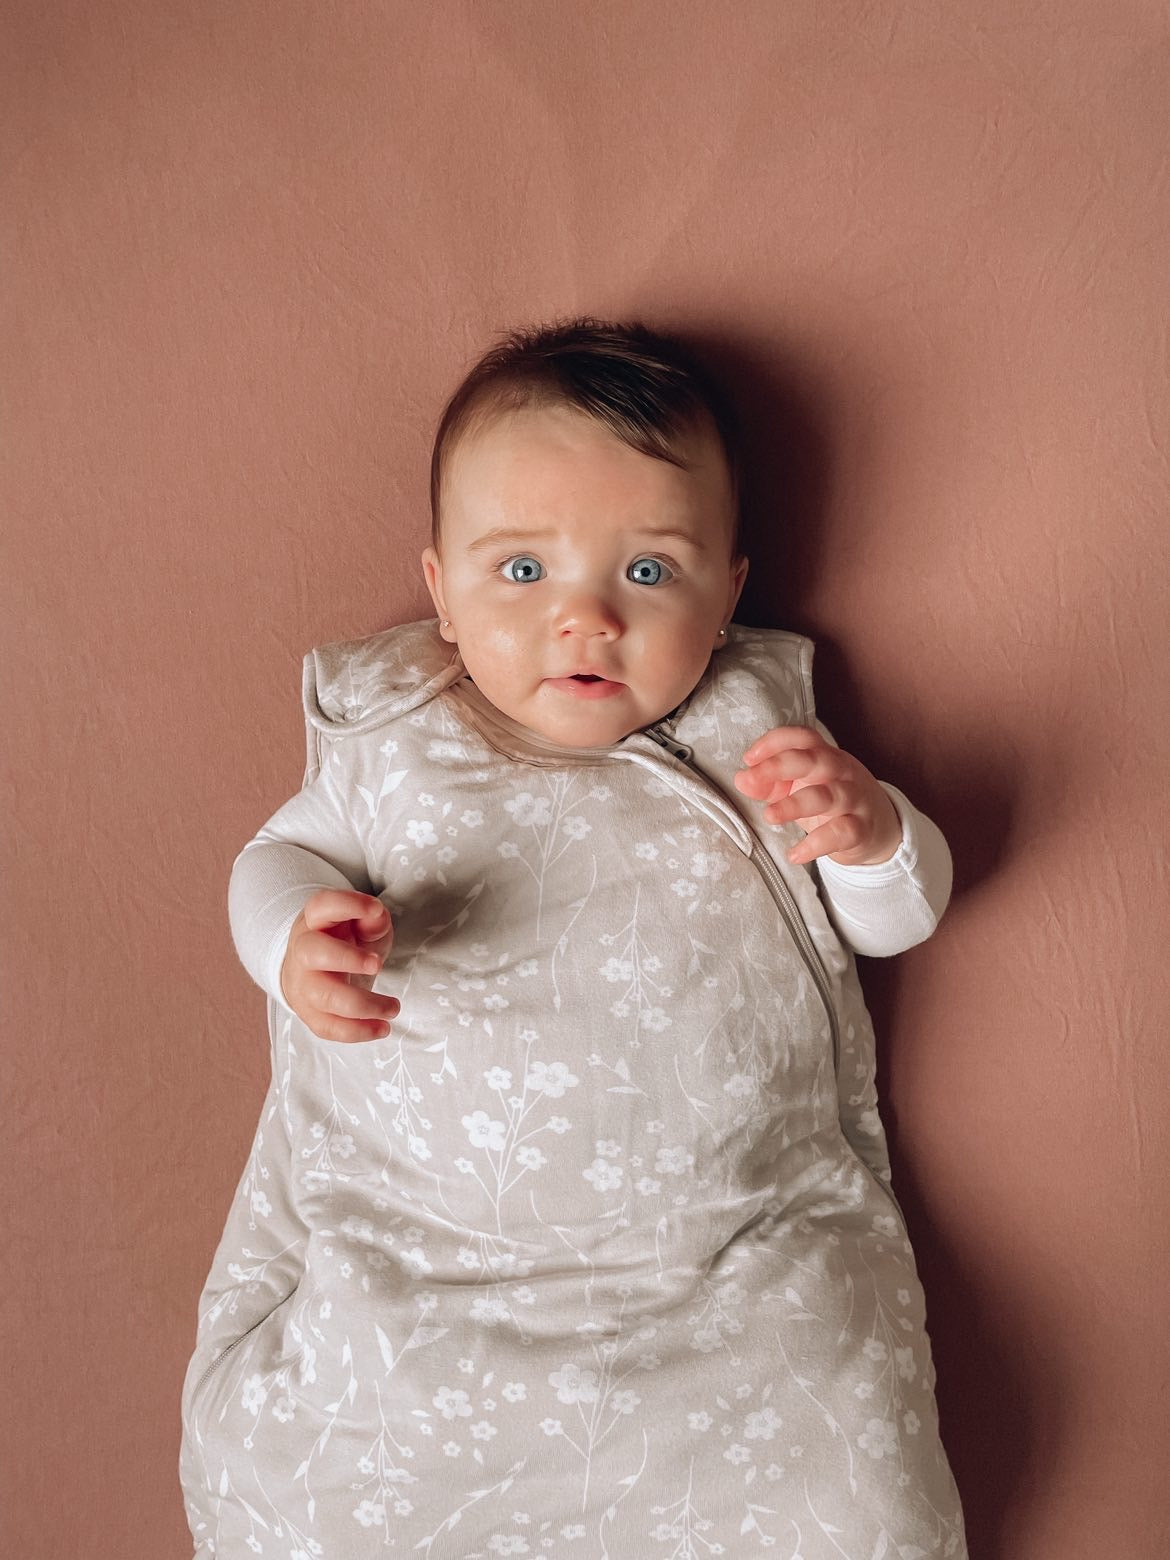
pixel 585 583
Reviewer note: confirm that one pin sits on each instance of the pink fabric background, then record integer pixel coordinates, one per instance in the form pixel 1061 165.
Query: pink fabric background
pixel 247 247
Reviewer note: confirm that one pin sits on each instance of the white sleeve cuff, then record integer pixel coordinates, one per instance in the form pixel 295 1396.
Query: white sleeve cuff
pixel 886 908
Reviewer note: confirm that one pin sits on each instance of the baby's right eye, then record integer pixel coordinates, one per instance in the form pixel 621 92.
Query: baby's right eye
pixel 523 570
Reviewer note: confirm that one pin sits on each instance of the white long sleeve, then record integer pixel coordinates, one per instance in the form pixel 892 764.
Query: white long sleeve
pixel 310 844
pixel 885 909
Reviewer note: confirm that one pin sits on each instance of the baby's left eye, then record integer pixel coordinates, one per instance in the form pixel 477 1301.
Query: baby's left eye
pixel 648 571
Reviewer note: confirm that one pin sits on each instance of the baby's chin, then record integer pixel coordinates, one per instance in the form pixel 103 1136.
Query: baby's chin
pixel 590 725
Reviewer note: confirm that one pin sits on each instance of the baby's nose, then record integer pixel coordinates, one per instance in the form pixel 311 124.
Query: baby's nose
pixel 588 614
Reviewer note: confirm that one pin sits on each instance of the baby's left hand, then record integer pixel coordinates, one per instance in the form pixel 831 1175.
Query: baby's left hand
pixel 804 779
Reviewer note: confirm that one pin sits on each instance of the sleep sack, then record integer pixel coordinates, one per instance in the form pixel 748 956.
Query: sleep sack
pixel 595 1255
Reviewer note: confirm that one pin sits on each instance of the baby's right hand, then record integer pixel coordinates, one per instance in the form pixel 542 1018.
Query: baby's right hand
pixel 335 949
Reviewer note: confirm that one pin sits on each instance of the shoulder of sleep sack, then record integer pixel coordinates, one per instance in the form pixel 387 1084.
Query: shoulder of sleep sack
pixel 355 685
pixel 781 660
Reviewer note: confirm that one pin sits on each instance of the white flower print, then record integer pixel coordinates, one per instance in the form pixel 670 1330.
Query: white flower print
pixel 874 1349
pixel 488 1310
pixel 762 1425
pixel 531 1158
pixel 483 1131
pixel 254 1394
pixel 514 1392
pixel 370 1514
pixel 452 1403
pixel 483 1430
pixel 646 851
pixel 624 1402
pixel 551 1078
pixel 576 827
pixel 614 970
pixel 604 1176
pixel 911 1422
pixel 700 1421
pixel 498 1078
pixel 674 1161
pixel 472 818
pixel 420 832
pixel 879 1438
pixel 528 811
pixel 907 1364
pixel 574 1385
pixel 655 1019
pixel 415 1262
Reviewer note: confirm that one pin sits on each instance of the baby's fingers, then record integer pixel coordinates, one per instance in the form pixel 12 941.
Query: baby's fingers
pixel 783 739
pixel 335 1010
pixel 838 834
pixel 321 951
pixel 810 801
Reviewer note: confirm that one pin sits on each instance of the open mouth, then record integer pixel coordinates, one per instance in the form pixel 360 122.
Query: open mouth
pixel 587 685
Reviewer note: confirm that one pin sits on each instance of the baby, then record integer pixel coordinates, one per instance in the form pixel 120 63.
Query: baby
pixel 567 1227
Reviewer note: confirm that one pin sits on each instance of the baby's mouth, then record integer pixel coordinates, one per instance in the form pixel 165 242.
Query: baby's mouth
pixel 587 685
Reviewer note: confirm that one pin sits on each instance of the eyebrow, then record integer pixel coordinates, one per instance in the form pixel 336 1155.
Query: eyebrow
pixel 499 535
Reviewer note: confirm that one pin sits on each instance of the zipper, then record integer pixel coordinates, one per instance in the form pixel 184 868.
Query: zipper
pixel 781 895
pixel 790 914
pixel 235 1344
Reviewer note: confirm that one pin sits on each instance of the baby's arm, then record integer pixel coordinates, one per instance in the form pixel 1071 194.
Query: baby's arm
pixel 884 867
pixel 305 919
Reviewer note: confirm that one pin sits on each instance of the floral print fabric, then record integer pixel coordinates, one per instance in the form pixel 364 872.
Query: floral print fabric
pixel 595 1254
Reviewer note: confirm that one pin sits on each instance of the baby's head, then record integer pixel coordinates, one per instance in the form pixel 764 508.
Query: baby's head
pixel 585 542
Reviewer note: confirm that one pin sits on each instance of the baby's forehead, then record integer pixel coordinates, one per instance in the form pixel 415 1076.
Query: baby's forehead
pixel 524 450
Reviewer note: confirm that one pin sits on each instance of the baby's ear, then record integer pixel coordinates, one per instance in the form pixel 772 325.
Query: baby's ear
pixel 432 568
pixel 739 570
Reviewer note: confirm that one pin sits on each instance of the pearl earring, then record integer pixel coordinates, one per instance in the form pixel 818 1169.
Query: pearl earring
pixel 722 634
pixel 446 622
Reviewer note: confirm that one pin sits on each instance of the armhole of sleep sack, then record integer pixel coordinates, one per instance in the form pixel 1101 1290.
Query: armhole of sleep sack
pixel 312 734
pixel 807 649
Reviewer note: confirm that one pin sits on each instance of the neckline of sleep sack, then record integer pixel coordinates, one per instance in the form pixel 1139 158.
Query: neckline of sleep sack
pixel 652 752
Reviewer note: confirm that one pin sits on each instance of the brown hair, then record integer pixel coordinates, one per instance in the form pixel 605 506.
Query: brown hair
pixel 644 387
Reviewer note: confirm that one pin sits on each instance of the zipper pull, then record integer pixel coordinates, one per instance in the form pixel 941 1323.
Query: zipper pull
pixel 676 749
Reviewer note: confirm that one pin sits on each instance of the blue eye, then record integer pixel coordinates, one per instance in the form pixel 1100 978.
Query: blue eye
pixel 523 570
pixel 648 571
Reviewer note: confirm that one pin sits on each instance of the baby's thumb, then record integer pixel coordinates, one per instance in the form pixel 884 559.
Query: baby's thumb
pixel 374 923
